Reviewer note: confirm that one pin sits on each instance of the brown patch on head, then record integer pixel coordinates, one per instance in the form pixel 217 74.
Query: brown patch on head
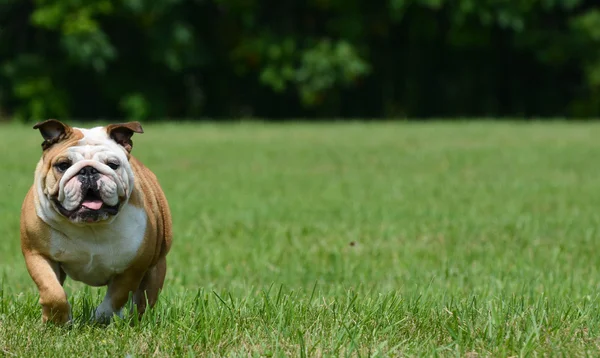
pixel 57 137
pixel 122 133
pixel 53 153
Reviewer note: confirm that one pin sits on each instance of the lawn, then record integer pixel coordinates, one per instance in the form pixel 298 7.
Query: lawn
pixel 385 239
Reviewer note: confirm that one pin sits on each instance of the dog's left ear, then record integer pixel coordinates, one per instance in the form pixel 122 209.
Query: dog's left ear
pixel 122 133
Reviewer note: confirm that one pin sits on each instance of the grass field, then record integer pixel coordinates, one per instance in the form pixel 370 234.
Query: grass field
pixel 422 239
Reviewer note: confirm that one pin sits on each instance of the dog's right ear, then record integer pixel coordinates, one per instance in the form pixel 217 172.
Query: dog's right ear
pixel 53 131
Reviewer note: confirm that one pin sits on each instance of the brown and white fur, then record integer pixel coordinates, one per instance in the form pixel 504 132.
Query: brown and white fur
pixel 96 214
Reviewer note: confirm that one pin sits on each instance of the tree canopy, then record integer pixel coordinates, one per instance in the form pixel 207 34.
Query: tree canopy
pixel 299 59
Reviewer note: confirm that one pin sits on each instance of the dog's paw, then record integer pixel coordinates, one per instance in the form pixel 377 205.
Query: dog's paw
pixel 59 315
pixel 104 313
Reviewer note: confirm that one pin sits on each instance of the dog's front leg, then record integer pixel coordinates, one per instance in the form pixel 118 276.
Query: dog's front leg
pixel 117 294
pixel 46 275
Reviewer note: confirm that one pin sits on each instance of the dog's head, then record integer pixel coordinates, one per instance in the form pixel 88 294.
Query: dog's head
pixel 84 174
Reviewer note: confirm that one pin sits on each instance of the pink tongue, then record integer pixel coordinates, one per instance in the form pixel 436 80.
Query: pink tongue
pixel 92 204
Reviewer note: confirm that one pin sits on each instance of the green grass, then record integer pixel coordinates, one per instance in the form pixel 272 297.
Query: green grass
pixel 423 239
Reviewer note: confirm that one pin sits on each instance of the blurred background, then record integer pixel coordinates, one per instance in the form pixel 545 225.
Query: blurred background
pixel 286 59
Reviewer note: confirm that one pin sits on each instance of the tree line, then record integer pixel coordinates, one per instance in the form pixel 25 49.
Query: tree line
pixel 278 59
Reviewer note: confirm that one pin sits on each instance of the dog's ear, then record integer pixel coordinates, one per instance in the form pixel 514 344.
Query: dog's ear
pixel 122 133
pixel 53 131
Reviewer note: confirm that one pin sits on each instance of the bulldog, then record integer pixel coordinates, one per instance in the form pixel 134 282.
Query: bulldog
pixel 98 215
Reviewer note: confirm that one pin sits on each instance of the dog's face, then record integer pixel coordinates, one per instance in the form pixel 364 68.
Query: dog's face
pixel 85 175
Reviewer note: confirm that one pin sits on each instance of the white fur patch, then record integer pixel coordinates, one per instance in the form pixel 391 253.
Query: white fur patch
pixel 93 254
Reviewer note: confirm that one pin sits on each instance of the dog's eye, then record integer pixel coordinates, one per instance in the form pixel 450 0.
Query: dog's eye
pixel 62 166
pixel 113 166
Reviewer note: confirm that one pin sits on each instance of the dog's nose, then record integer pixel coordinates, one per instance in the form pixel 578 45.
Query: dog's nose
pixel 88 171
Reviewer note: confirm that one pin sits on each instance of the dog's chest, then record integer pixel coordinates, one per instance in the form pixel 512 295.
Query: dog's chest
pixel 94 254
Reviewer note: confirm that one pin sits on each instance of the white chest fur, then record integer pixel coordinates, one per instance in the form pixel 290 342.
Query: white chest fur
pixel 93 254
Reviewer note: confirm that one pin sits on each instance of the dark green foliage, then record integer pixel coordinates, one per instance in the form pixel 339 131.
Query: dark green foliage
pixel 284 58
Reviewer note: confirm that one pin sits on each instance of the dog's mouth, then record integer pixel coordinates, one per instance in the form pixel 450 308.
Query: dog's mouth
pixel 92 201
pixel 90 209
